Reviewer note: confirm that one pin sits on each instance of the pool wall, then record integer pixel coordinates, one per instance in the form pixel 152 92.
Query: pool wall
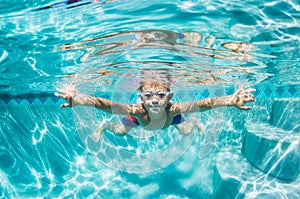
pixel 257 154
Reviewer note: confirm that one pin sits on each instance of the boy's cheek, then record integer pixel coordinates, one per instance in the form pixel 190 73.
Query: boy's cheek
pixel 147 104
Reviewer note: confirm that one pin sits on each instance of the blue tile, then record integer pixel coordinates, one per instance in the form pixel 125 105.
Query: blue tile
pixel 132 97
pixel 268 91
pixel 280 90
pixel 12 102
pixel 117 96
pixel 292 89
pixel 229 91
pixel 2 103
pixel 18 100
pixel 54 99
pixel 30 100
pixel 180 93
pixel 257 92
pixel 42 99
pixel 205 93
pixel 6 101
pixel 219 92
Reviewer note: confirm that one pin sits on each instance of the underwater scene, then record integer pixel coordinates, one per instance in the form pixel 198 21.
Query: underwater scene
pixel 206 52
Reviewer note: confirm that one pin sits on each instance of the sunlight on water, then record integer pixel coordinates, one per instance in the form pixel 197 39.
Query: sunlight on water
pixel 209 49
pixel 160 49
pixel 96 38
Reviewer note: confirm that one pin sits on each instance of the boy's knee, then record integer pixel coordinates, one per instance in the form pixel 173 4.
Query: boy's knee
pixel 185 128
pixel 186 132
pixel 120 132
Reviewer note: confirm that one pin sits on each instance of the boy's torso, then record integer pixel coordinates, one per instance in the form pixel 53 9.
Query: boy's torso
pixel 144 120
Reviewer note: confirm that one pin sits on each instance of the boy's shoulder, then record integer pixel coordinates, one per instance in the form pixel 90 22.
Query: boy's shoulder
pixel 171 107
pixel 175 107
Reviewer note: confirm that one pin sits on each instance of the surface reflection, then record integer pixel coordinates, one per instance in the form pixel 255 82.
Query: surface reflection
pixel 190 57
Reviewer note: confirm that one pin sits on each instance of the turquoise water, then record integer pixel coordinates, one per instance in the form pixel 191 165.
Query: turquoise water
pixel 101 47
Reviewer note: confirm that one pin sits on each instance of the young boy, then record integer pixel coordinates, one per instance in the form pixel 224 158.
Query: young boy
pixel 156 111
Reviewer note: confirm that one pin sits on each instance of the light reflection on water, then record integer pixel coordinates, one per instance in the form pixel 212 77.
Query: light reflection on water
pixel 102 47
pixel 189 63
pixel 94 32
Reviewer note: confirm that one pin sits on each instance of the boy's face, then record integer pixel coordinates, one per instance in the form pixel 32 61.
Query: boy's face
pixel 155 98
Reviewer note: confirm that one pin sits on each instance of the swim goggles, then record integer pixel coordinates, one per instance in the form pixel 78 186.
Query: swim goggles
pixel 149 95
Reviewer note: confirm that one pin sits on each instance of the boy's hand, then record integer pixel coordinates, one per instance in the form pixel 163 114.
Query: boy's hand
pixel 241 97
pixel 69 93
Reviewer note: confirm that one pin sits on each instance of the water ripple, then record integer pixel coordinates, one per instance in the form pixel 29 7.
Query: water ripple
pixel 105 44
pixel 93 34
pixel 189 54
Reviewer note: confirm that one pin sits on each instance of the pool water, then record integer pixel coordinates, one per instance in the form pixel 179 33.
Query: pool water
pixel 209 48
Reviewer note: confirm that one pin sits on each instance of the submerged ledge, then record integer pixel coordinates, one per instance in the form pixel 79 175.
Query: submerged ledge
pixel 235 177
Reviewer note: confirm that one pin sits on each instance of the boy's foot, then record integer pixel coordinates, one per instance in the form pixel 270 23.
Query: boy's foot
pixel 96 136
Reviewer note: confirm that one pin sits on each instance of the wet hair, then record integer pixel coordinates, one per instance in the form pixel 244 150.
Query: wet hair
pixel 155 78
pixel 154 84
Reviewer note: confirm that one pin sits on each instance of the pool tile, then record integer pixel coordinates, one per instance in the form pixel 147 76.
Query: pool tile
pixel 25 102
pixel 6 101
pixel 12 102
pixel 205 93
pixel 292 89
pixel 54 99
pixel 257 92
pixel 268 91
pixel 30 100
pixel 280 90
pixel 230 91
pixel 18 100
pixel 43 99
pixel 219 92
pixel 117 96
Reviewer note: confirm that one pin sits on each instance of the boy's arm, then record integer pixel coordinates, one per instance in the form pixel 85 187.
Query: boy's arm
pixel 238 99
pixel 75 98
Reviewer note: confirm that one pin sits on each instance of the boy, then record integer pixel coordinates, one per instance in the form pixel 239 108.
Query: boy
pixel 155 111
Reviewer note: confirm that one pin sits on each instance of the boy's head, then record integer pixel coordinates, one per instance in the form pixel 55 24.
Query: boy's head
pixel 155 92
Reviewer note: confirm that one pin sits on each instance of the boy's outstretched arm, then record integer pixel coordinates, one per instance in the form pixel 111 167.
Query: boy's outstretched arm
pixel 238 99
pixel 75 98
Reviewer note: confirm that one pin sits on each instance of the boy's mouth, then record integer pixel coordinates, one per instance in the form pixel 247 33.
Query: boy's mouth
pixel 155 108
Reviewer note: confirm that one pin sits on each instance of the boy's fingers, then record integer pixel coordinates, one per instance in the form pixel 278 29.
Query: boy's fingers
pixel 58 95
pixel 61 95
pixel 240 90
pixel 250 90
pixel 61 90
pixel 245 107
pixel 248 98
pixel 65 105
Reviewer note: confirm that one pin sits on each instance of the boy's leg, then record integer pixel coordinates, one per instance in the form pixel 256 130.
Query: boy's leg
pixel 188 126
pixel 114 127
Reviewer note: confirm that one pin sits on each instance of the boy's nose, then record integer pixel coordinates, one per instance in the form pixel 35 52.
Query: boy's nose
pixel 154 102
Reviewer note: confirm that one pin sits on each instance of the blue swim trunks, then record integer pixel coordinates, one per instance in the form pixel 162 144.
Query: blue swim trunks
pixel 133 122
